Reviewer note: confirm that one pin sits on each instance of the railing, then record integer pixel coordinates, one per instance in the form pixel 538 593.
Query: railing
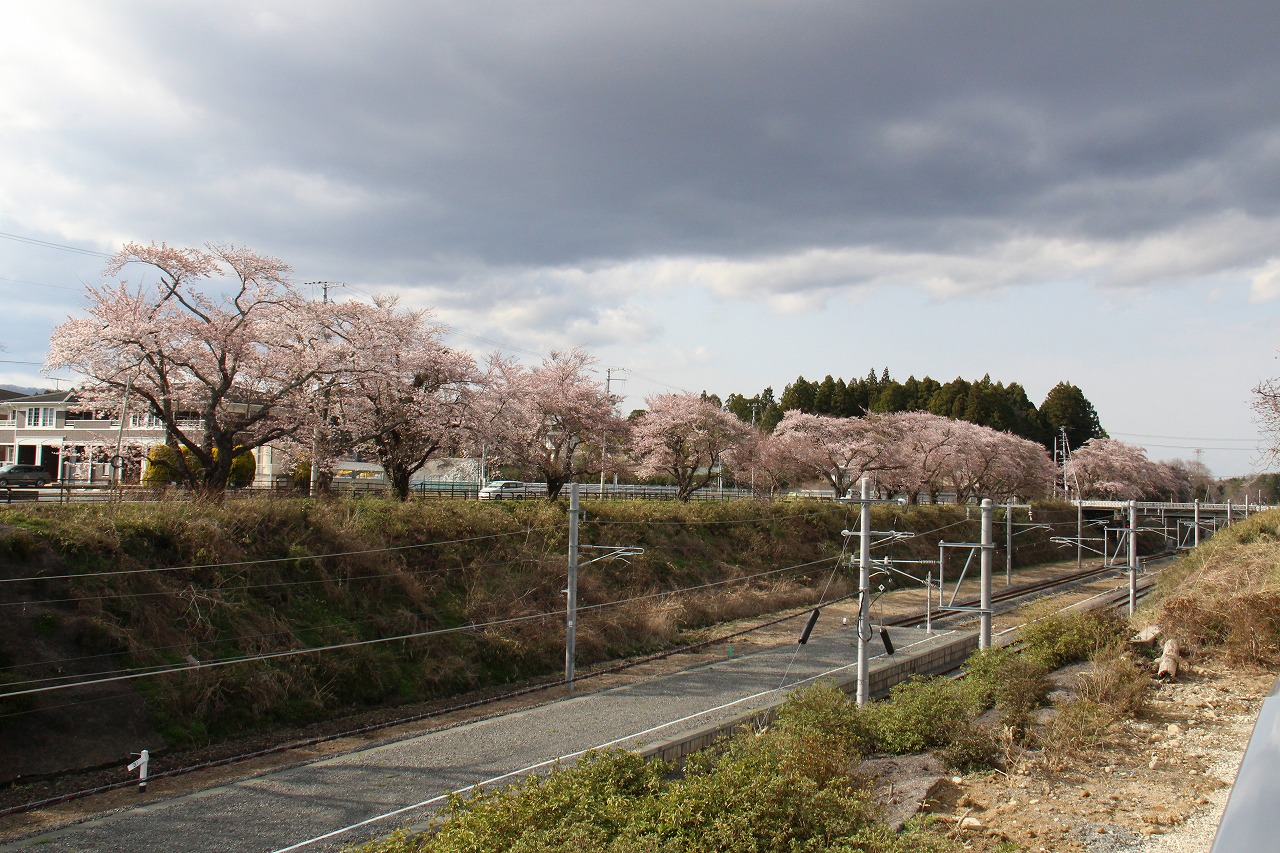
pixel 1251 820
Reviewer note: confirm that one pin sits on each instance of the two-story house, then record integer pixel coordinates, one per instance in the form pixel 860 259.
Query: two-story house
pixel 76 446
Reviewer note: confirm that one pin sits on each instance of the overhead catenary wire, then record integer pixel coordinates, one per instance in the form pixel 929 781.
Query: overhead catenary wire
pixel 266 560
pixel 473 626
pixel 160 669
pixel 242 587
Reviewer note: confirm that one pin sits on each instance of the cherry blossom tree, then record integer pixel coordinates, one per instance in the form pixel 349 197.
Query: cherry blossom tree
pixel 999 465
pixel 539 419
pixel 687 438
pixel 925 450
pixel 1114 470
pixel 1020 469
pixel 403 394
pixel 224 372
pixel 839 450
pixel 764 463
pixel 1266 408
pixel 932 453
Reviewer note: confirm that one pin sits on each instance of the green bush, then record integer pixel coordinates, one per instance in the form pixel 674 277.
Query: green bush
pixel 1058 639
pixel 1003 679
pixel 921 714
pixel 753 794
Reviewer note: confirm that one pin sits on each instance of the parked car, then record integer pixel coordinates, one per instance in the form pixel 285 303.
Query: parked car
pixel 499 489
pixel 23 475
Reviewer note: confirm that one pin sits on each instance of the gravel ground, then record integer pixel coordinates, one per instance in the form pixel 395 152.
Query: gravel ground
pixel 1158 785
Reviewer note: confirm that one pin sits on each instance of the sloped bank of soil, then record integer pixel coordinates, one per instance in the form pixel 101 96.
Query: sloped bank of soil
pixel 260 577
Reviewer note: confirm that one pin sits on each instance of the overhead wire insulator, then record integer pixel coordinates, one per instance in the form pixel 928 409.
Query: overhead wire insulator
pixel 808 626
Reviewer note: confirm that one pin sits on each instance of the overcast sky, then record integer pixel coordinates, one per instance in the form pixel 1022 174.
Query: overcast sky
pixel 711 195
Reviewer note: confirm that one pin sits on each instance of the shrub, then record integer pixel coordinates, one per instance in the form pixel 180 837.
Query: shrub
pixel 1075 727
pixel 921 714
pixel 1004 679
pixel 582 806
pixel 971 748
pixel 1115 682
pixel 1056 639
pixel 163 468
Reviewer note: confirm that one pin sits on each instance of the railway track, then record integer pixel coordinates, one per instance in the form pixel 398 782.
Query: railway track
pixel 1003 600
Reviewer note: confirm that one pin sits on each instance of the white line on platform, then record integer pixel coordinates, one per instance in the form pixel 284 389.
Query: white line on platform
pixel 541 764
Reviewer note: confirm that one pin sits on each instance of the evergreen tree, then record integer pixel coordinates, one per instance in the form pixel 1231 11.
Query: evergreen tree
pixel 1066 407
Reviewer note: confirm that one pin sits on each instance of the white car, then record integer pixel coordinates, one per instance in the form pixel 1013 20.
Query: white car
pixel 500 489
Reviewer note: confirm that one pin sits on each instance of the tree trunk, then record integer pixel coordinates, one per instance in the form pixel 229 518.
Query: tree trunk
pixel 400 483
pixel 1168 666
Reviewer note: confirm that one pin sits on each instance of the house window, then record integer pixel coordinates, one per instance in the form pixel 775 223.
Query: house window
pixel 147 421
pixel 42 416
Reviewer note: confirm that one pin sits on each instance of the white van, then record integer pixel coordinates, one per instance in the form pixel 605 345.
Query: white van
pixel 499 489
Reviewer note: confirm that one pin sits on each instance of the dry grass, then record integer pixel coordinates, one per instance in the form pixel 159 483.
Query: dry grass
pixel 1225 595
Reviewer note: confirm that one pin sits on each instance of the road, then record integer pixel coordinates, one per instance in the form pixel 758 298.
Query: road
pixel 291 809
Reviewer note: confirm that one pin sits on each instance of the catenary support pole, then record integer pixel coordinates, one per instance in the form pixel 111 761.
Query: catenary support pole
pixel 942 563
pixel 928 603
pixel 1079 537
pixel 1133 556
pixel 988 543
pixel 571 605
pixel 1008 544
pixel 1196 535
pixel 864 591
pixel 1228 512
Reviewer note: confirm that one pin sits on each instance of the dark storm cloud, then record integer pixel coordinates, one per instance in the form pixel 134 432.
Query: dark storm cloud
pixel 545 134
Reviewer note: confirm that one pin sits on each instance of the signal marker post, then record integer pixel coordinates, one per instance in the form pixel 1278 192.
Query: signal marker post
pixel 140 765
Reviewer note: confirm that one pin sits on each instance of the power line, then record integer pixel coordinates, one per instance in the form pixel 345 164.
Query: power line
pixel 388 549
pixel 1198 447
pixel 1181 437
pixel 284 654
pixel 37 283
pixel 160 669
pixel 752 520
pixel 48 245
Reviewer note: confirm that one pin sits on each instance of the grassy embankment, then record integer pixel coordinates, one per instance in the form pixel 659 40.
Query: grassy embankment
pixel 260 577
pixel 793 787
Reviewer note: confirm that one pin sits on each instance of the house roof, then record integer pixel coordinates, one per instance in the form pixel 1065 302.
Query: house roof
pixel 6 395
pixel 47 397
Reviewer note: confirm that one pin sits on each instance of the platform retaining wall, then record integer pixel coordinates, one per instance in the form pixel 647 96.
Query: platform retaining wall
pixel 936 655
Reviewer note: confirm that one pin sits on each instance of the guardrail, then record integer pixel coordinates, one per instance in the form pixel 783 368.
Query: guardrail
pixel 1251 820
pixel 129 493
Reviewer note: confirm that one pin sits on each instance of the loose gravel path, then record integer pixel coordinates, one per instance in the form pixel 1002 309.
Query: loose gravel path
pixel 290 809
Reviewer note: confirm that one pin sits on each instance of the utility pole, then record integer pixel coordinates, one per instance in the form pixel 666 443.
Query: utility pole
pixel 1197 520
pixel 864 582
pixel 864 591
pixel 571 590
pixel 324 408
pixel 1008 538
pixel 604 441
